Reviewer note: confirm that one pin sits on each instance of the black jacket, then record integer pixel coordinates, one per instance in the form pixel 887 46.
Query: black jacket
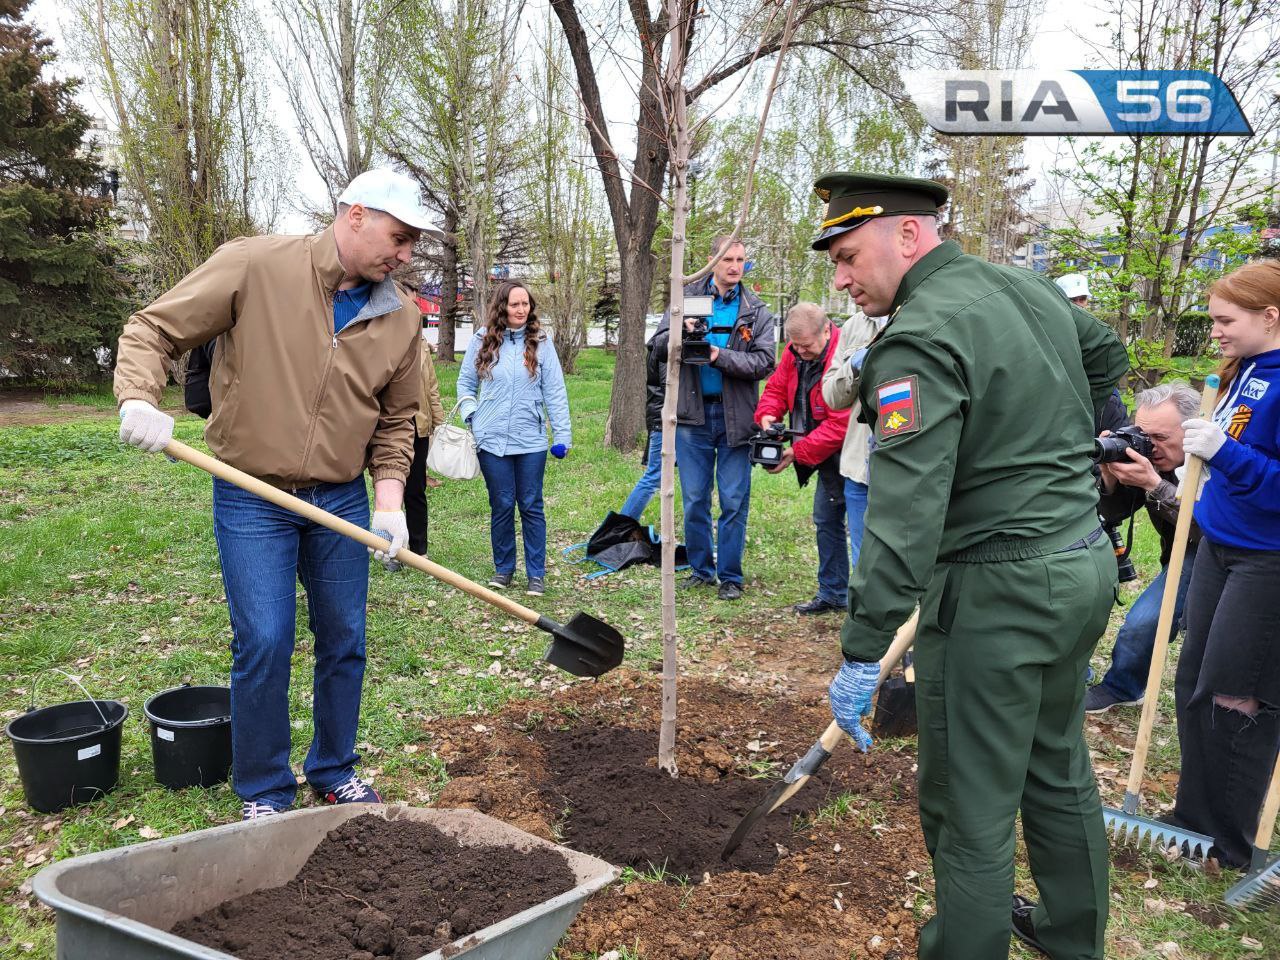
pixel 655 388
pixel 1162 508
pixel 748 359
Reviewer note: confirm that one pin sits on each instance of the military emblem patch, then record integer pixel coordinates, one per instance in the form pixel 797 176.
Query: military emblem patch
pixel 897 407
pixel 1239 420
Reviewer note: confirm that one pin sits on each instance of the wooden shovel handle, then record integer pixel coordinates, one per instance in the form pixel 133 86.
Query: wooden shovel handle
pixel 1160 652
pixel 902 641
pixel 180 451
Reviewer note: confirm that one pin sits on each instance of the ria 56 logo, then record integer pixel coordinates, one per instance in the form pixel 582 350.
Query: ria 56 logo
pixel 1086 102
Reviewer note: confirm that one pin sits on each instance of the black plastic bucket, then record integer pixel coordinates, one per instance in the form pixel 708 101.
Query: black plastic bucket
pixel 66 753
pixel 190 736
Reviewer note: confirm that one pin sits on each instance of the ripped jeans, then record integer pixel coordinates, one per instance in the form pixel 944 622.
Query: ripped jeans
pixel 1228 695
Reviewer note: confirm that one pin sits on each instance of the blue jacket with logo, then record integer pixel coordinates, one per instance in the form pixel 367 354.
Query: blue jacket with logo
pixel 1240 504
pixel 512 409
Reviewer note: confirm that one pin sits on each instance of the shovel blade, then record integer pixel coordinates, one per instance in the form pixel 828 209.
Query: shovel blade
pixel 780 792
pixel 585 646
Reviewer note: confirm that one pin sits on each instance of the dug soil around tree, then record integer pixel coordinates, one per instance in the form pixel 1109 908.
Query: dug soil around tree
pixel 839 871
pixel 375 888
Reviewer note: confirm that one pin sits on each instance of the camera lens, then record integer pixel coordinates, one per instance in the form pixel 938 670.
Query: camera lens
pixel 1110 449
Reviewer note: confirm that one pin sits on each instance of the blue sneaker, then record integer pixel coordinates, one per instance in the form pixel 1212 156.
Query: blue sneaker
pixel 354 790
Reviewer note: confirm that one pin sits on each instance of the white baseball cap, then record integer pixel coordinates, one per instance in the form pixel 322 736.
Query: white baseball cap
pixel 392 193
pixel 1073 285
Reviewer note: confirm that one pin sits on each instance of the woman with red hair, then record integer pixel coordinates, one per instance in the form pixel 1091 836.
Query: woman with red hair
pixel 1228 680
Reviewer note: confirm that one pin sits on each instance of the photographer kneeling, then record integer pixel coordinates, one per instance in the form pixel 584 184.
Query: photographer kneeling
pixel 796 387
pixel 1127 485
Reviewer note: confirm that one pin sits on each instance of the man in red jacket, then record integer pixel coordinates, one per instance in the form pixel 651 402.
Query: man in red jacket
pixel 796 388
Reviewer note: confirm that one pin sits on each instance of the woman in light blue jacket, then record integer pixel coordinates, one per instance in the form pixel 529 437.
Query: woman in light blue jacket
pixel 510 384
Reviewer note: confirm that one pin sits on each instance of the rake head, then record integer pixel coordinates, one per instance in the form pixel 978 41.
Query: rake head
pixel 1257 891
pixel 1156 835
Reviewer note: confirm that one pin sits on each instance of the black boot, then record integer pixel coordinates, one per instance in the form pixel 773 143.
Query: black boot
pixel 1023 928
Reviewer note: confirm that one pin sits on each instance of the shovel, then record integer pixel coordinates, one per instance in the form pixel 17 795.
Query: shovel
pixel 1125 824
pixel 585 646
pixel 812 761
pixel 1260 887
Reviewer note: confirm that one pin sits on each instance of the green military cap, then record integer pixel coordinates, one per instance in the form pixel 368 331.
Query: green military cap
pixel 854 198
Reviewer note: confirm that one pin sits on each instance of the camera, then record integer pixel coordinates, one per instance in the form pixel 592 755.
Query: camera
pixel 767 445
pixel 1124 563
pixel 1113 449
pixel 695 348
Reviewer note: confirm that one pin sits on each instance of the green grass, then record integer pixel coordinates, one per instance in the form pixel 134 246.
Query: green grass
pixel 108 571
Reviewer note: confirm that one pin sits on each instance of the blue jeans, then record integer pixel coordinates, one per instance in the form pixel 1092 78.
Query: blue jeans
pixel 647 485
pixel 855 508
pixel 264 549
pixel 1136 638
pixel 703 454
pixel 833 560
pixel 516 479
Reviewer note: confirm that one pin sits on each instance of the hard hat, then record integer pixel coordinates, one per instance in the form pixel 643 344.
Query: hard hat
pixel 1073 285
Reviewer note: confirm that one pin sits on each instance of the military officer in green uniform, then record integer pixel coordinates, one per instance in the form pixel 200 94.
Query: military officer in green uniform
pixel 981 391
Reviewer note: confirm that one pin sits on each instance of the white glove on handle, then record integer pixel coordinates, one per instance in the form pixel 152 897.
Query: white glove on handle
pixel 1202 438
pixel 145 427
pixel 391 525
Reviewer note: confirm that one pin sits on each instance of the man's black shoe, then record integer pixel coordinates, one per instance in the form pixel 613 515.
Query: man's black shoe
pixel 730 591
pixel 693 580
pixel 817 605
pixel 1023 929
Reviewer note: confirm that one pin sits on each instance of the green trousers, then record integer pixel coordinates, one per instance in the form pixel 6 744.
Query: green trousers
pixel 1000 663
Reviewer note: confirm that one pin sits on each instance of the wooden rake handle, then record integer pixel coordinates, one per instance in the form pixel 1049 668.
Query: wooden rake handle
pixel 1160 652
pixel 223 471
pixel 1270 807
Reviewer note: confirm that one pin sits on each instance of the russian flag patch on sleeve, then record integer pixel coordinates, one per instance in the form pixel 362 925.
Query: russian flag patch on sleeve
pixel 897 407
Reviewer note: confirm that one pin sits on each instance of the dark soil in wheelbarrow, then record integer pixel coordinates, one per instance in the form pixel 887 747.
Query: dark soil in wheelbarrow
pixel 837 872
pixel 376 888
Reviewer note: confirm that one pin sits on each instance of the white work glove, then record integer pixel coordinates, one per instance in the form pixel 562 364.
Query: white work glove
pixel 1202 439
pixel 145 427
pixel 390 525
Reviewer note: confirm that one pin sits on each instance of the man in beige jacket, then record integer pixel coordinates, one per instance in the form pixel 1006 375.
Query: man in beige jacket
pixel 840 391
pixel 316 378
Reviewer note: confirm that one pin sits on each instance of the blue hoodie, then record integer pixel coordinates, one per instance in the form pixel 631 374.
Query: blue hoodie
pixel 1240 504
pixel 509 414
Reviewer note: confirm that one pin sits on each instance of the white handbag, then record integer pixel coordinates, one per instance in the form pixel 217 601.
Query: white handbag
pixel 452 452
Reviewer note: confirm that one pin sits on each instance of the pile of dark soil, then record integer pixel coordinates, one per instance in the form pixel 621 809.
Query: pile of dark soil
pixel 377 888
pixel 839 872
pixel 630 813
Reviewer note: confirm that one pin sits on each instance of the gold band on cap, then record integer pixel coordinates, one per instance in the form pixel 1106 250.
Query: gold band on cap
pixel 855 212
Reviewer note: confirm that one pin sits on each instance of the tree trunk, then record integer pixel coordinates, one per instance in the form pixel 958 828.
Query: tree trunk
pixel 626 402
pixel 678 131
pixel 448 286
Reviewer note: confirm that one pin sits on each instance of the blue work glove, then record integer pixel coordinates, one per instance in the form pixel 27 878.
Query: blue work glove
pixel 856 358
pixel 559 451
pixel 850 694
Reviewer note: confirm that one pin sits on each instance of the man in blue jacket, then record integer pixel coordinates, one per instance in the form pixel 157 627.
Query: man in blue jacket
pixel 715 415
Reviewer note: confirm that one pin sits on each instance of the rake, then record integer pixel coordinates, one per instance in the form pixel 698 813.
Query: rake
pixel 1260 888
pixel 1125 825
